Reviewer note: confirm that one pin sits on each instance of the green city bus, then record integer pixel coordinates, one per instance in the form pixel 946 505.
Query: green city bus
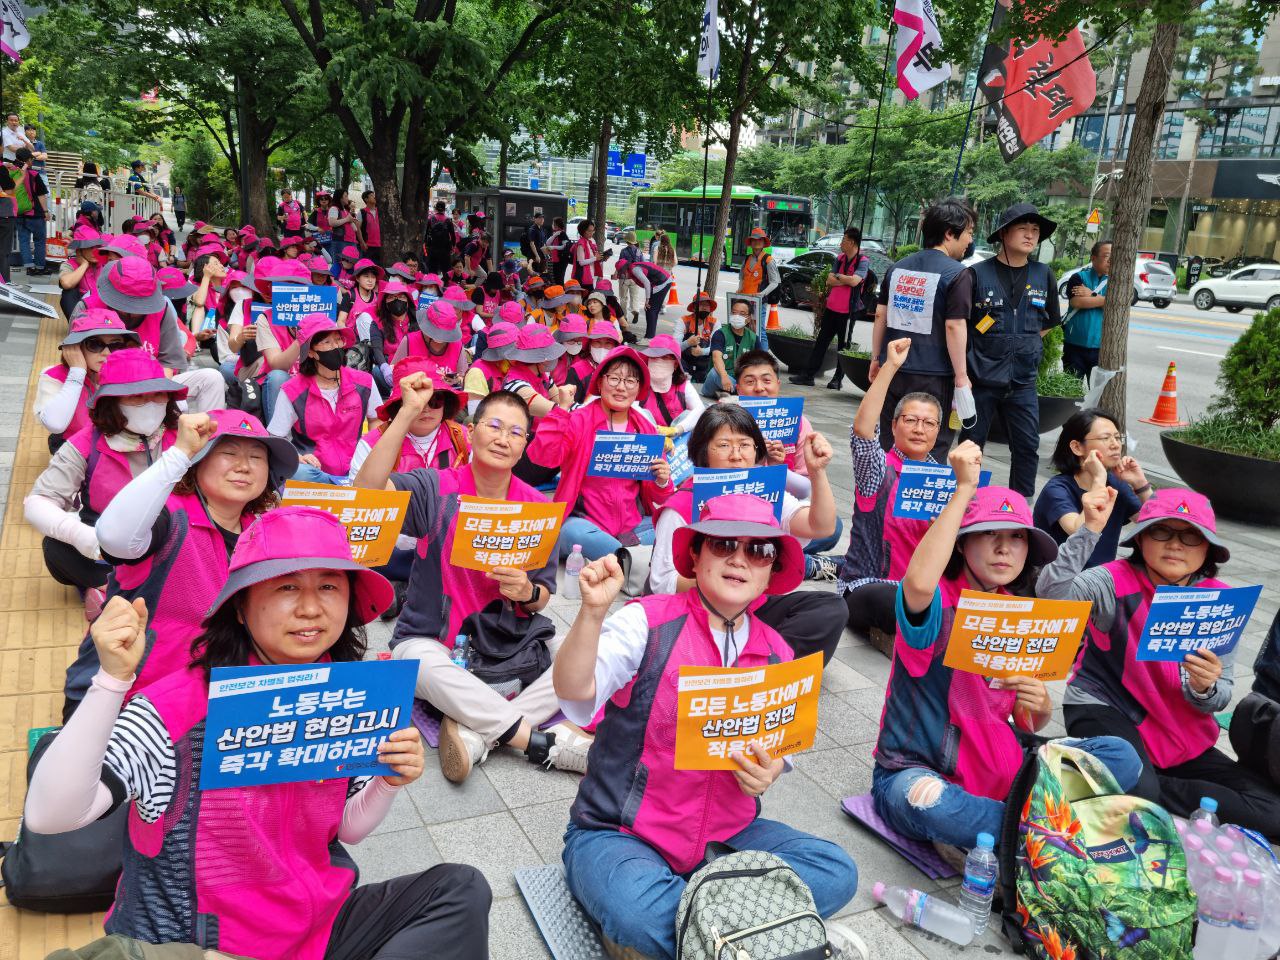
pixel 690 222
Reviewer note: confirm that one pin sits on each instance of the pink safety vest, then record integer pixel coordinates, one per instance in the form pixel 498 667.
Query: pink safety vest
pixel 372 229
pixel 666 407
pixel 80 418
pixel 292 216
pixel 892 539
pixel 332 434
pixel 1148 692
pixel 446 362
pixel 246 870
pixel 359 305
pixel 284 335
pixel 631 783
pixel 107 471
pixel 444 453
pixel 586 275
pixel 492 373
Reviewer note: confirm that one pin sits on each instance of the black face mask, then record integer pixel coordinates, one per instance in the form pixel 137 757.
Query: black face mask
pixel 397 308
pixel 332 359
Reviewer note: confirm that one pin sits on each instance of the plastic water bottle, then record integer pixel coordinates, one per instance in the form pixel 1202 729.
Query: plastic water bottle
pixel 1269 933
pixel 1246 920
pixel 461 655
pixel 1200 874
pixel 1208 811
pixel 928 913
pixel 979 885
pixel 1216 910
pixel 572 567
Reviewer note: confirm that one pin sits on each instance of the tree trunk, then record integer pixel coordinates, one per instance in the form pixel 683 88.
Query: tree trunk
pixel 1132 201
pixel 381 167
pixel 503 149
pixel 259 212
pixel 600 202
pixel 722 208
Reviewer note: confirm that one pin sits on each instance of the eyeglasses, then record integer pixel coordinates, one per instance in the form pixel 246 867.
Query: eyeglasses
pixel 500 428
pixel 760 553
pixel 98 345
pixel 1188 536
pixel 1107 438
pixel 927 422
pixel 743 447
pixel 614 380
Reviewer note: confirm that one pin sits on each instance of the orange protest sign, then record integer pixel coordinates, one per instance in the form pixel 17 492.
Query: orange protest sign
pixel 722 709
pixel 996 635
pixel 503 533
pixel 373 518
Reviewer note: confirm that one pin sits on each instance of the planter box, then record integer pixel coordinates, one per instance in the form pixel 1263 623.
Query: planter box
pixel 794 352
pixel 858 370
pixel 1231 481
pixel 1054 412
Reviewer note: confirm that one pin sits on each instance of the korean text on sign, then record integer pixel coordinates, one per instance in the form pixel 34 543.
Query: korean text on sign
pixel 763 482
pixel 624 456
pixel 503 533
pixel 1183 619
pixel 997 635
pixel 911 296
pixel 925 488
pixel 722 709
pixel 426 299
pixel 290 302
pixel 286 724
pixel 678 459
pixel 777 417
pixel 373 518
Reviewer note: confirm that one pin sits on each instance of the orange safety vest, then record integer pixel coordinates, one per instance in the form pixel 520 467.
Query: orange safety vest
pixel 752 273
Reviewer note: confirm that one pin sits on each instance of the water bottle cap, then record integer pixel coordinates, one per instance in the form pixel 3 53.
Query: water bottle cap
pixel 1224 844
pixel 1223 875
pixel 1239 861
pixel 877 890
pixel 1208 803
pixel 577 548
pixel 986 841
pixel 1193 843
pixel 1208 858
pixel 1252 878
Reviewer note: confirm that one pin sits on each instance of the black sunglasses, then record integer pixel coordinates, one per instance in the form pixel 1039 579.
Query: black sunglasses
pixel 760 553
pixel 98 345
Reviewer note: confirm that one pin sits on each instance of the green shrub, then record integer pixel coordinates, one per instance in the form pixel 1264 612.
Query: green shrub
pixel 907 248
pixel 1218 431
pixel 796 331
pixel 1061 266
pixel 856 352
pixel 1051 379
pixel 818 290
pixel 1249 375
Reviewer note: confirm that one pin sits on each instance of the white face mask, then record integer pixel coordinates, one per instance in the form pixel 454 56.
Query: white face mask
pixel 573 349
pixel 660 374
pixel 599 353
pixel 240 295
pixel 737 321
pixel 144 420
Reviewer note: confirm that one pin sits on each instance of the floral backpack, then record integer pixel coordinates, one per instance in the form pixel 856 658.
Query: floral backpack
pixel 1087 872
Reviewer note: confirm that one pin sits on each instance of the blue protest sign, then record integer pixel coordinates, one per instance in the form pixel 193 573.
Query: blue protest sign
pixel 426 299
pixel 1183 619
pixel 260 312
pixel 624 456
pixel 925 488
pixel 765 482
pixel 678 460
pixel 286 724
pixel 290 302
pixel 778 417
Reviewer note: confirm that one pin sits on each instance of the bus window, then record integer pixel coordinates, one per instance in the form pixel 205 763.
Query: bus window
pixel 789 228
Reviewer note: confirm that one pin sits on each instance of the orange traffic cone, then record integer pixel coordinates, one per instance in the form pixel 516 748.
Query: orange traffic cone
pixel 673 300
pixel 773 323
pixel 1166 412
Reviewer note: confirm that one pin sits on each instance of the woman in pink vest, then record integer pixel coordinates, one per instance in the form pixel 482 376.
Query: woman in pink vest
pixel 266 350
pixel 438 338
pixel 495 348
pixel 359 309
pixel 584 255
pixel 63 391
pixel 601 339
pixel 253 870
pixel 131 416
pixel 947 754
pixel 529 370
pixel 170 531
pixel 78 276
pixel 639 827
pixel 1164 709
pixel 392 323
pixel 572 335
pixel 673 400
pixel 324 408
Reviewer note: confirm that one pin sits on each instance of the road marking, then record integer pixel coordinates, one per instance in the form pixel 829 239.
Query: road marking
pixel 1183 333
pixel 1198 353
pixel 1171 318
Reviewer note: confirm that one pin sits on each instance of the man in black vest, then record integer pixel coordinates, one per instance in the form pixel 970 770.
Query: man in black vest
pixel 1015 303
pixel 927 297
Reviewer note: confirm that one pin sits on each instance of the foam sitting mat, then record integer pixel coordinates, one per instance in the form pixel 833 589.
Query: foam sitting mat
pixel 569 933
pixel 920 855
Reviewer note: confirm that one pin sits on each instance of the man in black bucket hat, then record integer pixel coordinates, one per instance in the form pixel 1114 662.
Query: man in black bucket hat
pixel 1015 303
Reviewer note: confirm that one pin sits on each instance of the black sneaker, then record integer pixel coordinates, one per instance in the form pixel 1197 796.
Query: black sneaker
pixel 835 383
pixel 802 380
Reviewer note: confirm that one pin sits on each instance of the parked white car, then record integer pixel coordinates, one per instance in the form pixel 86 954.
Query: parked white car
pixel 1257 287
pixel 1153 280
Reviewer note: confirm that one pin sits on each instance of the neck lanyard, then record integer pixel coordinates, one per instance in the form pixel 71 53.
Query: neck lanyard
pixel 730 640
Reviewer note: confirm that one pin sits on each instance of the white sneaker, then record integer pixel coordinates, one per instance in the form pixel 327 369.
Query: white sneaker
pixel 847 944
pixel 461 748
pixel 569 752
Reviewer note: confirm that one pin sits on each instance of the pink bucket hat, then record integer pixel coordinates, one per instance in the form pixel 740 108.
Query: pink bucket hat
pixel 999 508
pixel 98 322
pixel 440 322
pixel 663 345
pixel 535 344
pixel 270 548
pixel 1179 503
pixel 314 325
pixel 401 270
pixel 288 242
pixel 316 263
pixel 511 312
pixel 129 285
pixel 349 253
pixel 127 373
pixel 396 285
pixel 440 387
pixel 572 327
pixel 430 280
pixel 500 341
pixel 605 330
pixel 282 457
pixel 457 298
pixel 617 353
pixel 743 515
pixel 232 279
pixel 366 264
pixel 175 284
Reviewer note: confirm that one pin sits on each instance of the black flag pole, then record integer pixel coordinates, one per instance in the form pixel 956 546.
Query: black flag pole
pixel 875 132
pixel 706 159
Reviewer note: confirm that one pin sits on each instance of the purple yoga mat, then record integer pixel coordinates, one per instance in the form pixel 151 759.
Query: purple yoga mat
pixel 920 855
pixel 429 726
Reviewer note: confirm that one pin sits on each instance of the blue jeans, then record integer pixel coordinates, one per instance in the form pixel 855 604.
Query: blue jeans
pixel 956 816
pixel 309 474
pixel 270 390
pixel 826 543
pixel 712 383
pixel 29 229
pixel 335 251
pixel 631 891
pixel 595 542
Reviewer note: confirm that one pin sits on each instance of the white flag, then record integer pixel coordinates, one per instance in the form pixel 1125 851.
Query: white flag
pixel 13 29
pixel 919 48
pixel 709 42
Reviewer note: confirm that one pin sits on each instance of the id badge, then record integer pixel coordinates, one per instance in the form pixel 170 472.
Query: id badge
pixel 1038 302
pixel 986 323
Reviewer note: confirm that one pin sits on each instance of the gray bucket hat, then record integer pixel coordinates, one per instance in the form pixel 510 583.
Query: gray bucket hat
pixel 129 285
pixel 84 243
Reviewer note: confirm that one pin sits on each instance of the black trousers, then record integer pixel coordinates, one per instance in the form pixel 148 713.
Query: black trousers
pixel 941 388
pixel 438 261
pixel 1245 797
pixel 1019 407
pixel 834 326
pixel 442 913
pixel 559 269
pixel 68 565
pixel 871 605
pixel 811 621
pixel 653 310
pixel 8 229
pixel 181 217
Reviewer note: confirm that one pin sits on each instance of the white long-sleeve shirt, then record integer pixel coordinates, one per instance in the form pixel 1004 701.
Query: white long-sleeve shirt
pixel 56 402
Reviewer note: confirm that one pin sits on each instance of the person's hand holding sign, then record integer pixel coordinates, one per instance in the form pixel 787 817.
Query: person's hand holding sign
pixel 195 430
pixel 402 752
pixel 600 582
pixel 1033 708
pixel 1096 505
pixel 661 471
pixel 757 771
pixel 1203 667
pixel 512 583
pixel 119 634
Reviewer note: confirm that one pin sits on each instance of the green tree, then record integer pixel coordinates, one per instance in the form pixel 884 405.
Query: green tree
pixel 205 174
pixel 683 171
pixel 818 172
pixel 761 167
